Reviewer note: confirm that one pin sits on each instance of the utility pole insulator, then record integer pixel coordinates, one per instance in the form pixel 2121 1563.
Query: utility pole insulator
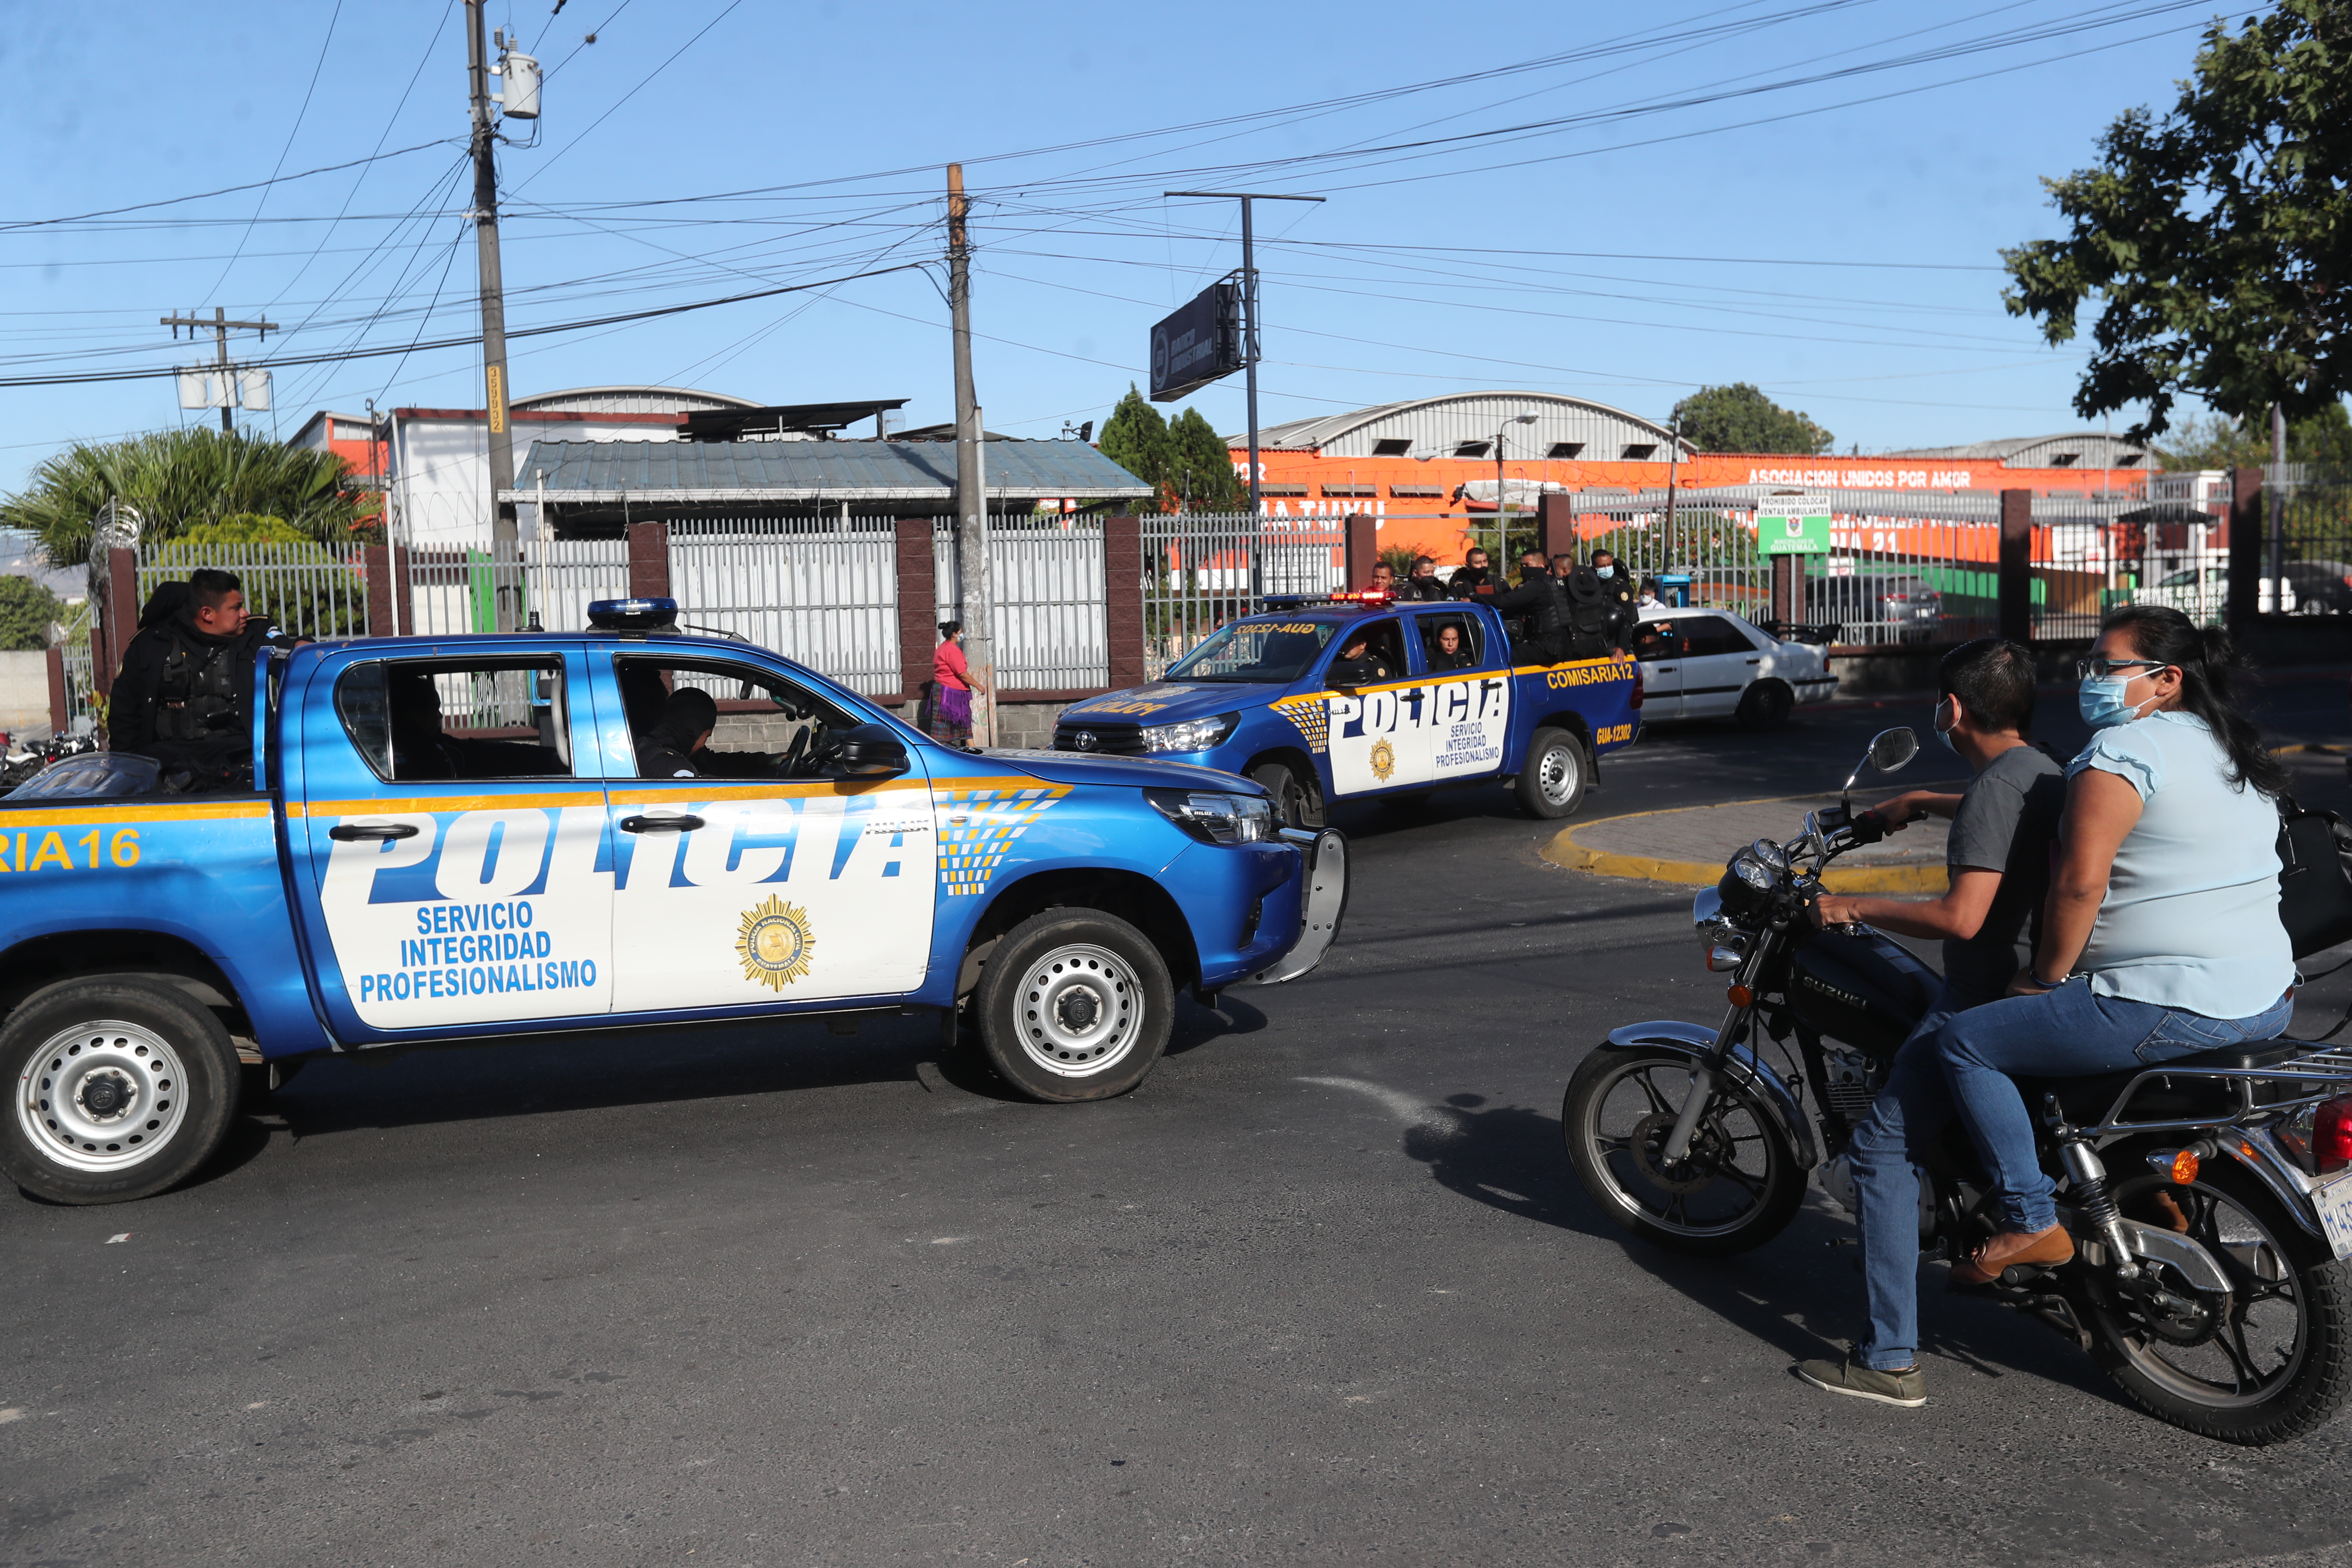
pixel 226 395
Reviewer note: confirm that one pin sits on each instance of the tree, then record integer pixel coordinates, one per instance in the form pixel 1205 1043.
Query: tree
pixel 1201 466
pixel 180 479
pixel 1136 439
pixel 2218 239
pixel 1740 418
pixel 245 528
pixel 28 610
pixel 2215 441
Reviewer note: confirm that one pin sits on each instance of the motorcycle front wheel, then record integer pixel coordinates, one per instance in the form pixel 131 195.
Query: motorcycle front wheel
pixel 1737 1188
pixel 2267 1363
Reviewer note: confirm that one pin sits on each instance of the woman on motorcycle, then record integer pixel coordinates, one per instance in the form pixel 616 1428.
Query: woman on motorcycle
pixel 2161 935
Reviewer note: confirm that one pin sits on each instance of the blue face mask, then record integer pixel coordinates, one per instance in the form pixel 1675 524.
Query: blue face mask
pixel 2102 702
pixel 1943 734
pixel 1604 571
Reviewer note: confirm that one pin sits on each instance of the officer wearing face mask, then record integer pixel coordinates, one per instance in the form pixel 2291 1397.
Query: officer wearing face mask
pixel 1617 588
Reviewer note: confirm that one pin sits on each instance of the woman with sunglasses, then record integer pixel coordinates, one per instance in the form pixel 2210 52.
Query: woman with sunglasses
pixel 2161 936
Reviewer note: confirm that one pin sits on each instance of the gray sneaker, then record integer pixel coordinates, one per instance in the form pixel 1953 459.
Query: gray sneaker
pixel 1908 1389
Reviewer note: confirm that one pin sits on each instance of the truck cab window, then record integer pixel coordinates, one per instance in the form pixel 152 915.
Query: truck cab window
pixel 742 722
pixel 1450 642
pixel 417 720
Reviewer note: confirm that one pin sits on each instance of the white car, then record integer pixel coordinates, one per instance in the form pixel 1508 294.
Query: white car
pixel 1712 664
pixel 2201 593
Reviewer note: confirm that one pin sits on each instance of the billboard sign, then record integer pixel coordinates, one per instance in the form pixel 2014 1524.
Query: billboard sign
pixel 1199 343
pixel 1794 525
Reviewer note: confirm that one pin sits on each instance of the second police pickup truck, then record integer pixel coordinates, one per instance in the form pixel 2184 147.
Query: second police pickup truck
pixel 1257 699
pixel 452 839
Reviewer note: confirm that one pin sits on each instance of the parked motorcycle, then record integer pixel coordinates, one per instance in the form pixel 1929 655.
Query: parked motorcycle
pixel 21 763
pixel 2209 1198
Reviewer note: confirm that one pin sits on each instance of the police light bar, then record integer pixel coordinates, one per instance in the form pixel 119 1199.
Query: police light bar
pixel 1292 601
pixel 633 614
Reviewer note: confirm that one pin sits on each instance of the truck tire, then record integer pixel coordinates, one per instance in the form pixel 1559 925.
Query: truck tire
pixel 1296 803
pixel 1074 1004
pixel 1765 706
pixel 121 1086
pixel 1552 779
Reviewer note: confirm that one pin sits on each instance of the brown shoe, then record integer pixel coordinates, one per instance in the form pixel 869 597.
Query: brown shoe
pixel 2013 1247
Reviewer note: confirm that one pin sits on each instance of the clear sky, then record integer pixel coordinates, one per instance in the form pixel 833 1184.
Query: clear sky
pixel 1622 203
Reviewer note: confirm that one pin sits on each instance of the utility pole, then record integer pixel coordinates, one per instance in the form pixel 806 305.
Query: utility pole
pixel 221 327
pixel 2277 488
pixel 505 546
pixel 1249 315
pixel 972 477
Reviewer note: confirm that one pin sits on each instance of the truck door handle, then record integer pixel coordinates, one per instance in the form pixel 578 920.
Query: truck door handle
pixel 684 822
pixel 1758 659
pixel 370 832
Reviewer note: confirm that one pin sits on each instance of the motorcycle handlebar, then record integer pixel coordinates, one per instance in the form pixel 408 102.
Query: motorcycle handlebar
pixel 1869 828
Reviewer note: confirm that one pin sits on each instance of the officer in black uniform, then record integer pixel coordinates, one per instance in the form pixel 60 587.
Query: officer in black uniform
pixel 669 750
pixel 185 694
pixel 1617 587
pixel 1537 612
pixel 1358 665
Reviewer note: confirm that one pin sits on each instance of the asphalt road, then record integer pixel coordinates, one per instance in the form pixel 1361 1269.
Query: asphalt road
pixel 1321 1290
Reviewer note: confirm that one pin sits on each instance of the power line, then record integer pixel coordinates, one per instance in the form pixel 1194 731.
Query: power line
pixel 228 190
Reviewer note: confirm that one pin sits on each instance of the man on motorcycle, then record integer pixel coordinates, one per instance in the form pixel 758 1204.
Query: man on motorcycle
pixel 1998 860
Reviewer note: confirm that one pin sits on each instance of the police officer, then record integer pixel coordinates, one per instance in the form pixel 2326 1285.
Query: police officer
pixel 1617 587
pixel 1537 611
pixel 1358 665
pixel 185 694
pixel 669 750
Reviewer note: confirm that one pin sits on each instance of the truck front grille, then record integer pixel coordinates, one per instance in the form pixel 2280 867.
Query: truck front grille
pixel 1100 739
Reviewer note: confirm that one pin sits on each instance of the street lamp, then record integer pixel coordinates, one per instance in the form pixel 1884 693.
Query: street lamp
pixel 1502 526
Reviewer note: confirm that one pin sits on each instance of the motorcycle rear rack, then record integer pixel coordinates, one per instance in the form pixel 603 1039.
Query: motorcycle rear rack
pixel 2329 1071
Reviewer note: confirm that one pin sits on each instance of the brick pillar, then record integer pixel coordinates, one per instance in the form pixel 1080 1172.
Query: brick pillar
pixel 1123 599
pixel 1789 589
pixel 387 569
pixel 2015 590
pixel 122 605
pixel 58 703
pixel 2245 602
pixel 1555 527
pixel 649 561
pixel 919 605
pixel 1363 548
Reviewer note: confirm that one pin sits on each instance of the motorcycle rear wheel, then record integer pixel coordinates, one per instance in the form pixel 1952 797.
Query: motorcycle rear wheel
pixel 1739 1188
pixel 2283 1346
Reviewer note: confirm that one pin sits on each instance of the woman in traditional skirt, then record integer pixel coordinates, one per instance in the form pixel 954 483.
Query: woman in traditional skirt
pixel 953 687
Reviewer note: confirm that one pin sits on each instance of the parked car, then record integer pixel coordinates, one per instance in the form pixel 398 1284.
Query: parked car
pixel 1909 607
pixel 2320 587
pixel 390 880
pixel 1262 698
pixel 2201 593
pixel 1709 664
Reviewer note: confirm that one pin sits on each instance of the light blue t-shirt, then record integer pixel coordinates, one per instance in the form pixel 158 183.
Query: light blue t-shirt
pixel 2191 919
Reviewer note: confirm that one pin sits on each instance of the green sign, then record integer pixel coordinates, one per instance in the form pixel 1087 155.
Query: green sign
pixel 1794 525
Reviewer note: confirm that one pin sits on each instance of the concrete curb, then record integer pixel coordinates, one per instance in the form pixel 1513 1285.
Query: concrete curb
pixel 1564 851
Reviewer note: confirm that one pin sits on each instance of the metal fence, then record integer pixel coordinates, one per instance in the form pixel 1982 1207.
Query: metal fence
pixel 2307 539
pixel 1046 582
pixel 1203 569
pixel 823 591
pixel 309 590
pixel 80 689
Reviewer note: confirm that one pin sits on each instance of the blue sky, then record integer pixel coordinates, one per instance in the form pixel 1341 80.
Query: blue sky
pixel 1679 208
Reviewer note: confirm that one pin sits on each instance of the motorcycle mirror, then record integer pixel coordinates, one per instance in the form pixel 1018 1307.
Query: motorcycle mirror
pixel 1891 751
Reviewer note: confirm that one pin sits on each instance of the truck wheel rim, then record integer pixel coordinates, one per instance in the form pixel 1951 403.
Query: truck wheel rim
pixel 1080 1009
pixel 102 1097
pixel 1557 777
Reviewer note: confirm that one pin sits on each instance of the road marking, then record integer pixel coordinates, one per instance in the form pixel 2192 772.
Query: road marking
pixel 1413 1113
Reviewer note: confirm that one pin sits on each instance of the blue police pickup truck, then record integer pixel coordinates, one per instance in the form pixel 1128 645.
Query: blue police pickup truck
pixel 459 839
pixel 1435 696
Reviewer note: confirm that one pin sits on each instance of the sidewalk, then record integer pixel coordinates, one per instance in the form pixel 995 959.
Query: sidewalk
pixel 1690 843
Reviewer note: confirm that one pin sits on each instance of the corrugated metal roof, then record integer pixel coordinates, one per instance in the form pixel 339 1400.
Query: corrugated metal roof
pixel 628 400
pixel 1430 421
pixel 2100 449
pixel 813 471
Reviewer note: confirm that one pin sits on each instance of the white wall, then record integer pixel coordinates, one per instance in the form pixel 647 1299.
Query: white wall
pixel 25 693
pixel 441 467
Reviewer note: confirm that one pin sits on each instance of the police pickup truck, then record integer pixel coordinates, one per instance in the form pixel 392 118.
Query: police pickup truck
pixel 452 839
pixel 1272 697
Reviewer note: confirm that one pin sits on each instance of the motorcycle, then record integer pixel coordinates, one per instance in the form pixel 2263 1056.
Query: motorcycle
pixel 2209 1198
pixel 19 763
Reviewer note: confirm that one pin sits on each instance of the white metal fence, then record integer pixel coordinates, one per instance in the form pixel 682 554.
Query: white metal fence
pixel 308 590
pixel 80 693
pixel 1047 585
pixel 823 591
pixel 1203 569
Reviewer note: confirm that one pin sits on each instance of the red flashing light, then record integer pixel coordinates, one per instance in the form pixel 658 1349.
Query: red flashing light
pixel 1367 596
pixel 2331 1136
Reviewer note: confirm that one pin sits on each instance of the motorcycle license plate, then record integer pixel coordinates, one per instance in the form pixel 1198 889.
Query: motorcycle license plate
pixel 2334 1202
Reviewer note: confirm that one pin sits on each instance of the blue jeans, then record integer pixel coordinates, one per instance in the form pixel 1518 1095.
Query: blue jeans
pixel 2065 1033
pixel 1910 1112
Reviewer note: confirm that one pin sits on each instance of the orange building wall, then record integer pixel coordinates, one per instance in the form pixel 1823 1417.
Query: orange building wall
pixel 1369 484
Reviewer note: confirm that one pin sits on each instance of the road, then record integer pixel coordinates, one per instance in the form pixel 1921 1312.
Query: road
pixel 1322 1291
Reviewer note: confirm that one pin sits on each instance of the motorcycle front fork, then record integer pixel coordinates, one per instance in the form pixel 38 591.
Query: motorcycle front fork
pixel 1702 1087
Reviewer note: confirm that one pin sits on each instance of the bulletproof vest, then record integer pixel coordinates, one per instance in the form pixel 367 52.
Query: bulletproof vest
pixel 1590 615
pixel 195 695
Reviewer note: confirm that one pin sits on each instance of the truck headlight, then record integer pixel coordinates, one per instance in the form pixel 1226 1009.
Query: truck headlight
pixel 1215 818
pixel 1191 735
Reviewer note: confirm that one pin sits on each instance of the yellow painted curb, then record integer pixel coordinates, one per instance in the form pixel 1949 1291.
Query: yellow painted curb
pixel 1566 852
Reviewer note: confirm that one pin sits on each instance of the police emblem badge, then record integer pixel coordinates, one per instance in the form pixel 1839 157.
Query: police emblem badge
pixel 774 943
pixel 1383 759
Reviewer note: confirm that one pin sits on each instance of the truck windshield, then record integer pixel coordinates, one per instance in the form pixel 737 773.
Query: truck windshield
pixel 1256 650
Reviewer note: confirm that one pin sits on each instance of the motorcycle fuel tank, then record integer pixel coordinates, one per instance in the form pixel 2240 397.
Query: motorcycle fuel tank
pixel 1865 990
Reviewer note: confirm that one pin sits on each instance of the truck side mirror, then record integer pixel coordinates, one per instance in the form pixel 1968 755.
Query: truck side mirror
pixel 871 750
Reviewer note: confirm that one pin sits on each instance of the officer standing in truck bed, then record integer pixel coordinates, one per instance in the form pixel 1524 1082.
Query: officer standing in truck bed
pixel 185 694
